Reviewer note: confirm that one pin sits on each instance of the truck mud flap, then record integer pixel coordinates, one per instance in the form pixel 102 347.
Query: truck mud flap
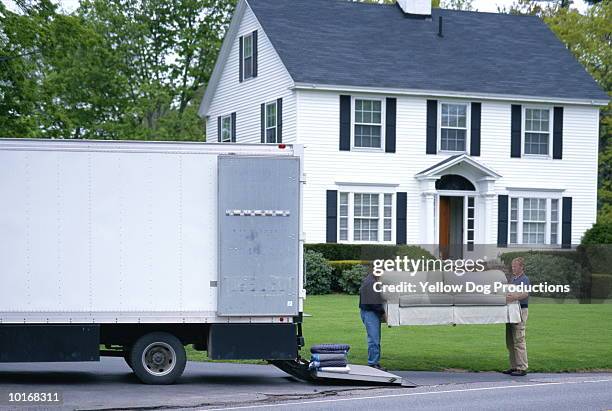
pixel 359 375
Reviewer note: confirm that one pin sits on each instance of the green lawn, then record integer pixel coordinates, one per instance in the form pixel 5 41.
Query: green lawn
pixel 560 337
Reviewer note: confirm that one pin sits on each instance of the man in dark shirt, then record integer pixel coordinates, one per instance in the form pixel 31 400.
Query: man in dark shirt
pixel 515 333
pixel 372 314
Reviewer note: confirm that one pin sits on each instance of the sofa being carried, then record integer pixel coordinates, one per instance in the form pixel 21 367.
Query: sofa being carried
pixel 448 298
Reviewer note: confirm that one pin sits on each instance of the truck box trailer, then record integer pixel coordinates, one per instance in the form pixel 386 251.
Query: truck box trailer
pixel 144 247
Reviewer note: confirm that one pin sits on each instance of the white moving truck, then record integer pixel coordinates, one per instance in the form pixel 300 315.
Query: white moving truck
pixel 144 247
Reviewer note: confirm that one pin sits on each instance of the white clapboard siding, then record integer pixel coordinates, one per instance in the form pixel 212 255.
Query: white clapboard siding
pixel 318 130
pixel 245 99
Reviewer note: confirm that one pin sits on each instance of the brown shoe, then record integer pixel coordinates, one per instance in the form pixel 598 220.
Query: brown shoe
pixel 378 367
pixel 518 373
pixel 508 371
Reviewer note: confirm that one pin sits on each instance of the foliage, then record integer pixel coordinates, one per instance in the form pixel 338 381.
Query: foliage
pixel 555 270
pixel 113 69
pixel 368 252
pixel 600 233
pixel 601 286
pixel 351 278
pixel 318 273
pixel 338 267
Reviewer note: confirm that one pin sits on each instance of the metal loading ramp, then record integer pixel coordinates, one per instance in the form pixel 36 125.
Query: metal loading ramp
pixel 359 375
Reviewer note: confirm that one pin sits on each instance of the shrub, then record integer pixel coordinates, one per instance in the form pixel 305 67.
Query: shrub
pixel 351 279
pixel 318 273
pixel 601 286
pixel 555 270
pixel 600 233
pixel 338 267
pixel 338 252
pixel 569 254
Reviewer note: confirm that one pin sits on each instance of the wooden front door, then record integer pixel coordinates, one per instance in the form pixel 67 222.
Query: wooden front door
pixel 445 215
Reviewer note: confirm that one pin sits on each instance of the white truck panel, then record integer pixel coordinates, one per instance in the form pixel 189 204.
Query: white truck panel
pixel 111 231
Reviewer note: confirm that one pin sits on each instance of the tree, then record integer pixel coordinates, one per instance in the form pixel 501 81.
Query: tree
pixel 56 78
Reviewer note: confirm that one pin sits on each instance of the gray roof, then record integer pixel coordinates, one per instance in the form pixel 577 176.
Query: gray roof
pixel 343 43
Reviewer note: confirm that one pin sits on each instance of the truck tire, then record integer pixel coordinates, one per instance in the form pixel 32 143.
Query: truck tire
pixel 158 358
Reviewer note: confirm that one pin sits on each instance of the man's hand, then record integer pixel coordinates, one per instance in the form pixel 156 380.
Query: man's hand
pixel 510 298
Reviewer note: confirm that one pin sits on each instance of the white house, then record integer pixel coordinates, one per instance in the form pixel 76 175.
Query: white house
pixel 420 126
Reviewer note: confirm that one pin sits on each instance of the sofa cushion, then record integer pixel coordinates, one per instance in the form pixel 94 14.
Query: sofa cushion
pixel 396 278
pixel 480 281
pixel 426 300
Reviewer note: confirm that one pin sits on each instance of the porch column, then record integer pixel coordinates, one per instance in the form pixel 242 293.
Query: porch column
pixel 488 195
pixel 428 224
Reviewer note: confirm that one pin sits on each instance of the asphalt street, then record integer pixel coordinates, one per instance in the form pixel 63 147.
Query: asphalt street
pixel 111 385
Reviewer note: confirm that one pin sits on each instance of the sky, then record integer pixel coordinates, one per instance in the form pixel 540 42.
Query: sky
pixel 480 5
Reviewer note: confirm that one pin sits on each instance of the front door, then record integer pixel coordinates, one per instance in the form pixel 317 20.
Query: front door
pixel 451 227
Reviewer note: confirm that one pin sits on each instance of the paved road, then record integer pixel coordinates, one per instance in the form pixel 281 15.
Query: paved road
pixel 110 385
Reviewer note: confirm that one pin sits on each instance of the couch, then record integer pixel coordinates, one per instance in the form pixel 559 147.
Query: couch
pixel 451 302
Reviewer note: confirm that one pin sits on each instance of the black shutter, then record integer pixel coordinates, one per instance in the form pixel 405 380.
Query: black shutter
pixel 233 127
pixel 263 123
pixel 558 133
pixel 332 216
pixel 279 120
pixel 502 221
pixel 219 129
pixel 566 223
pixel 400 223
pixel 240 60
pixel 345 123
pixel 517 124
pixel 391 116
pixel 432 127
pixel 255 53
pixel 475 132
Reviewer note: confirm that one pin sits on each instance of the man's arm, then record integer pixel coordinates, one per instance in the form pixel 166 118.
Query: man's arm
pixel 511 297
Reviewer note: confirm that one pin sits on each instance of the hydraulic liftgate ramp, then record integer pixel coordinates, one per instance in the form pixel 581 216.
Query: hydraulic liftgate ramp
pixel 360 374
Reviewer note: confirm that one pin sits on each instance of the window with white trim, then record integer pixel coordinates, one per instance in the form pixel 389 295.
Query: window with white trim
pixel 247 56
pixel 365 217
pixel 534 221
pixel 368 125
pixel 537 131
pixel 453 126
pixel 226 129
pixel 271 123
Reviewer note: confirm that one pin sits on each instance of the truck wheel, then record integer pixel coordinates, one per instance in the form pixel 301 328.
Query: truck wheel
pixel 158 358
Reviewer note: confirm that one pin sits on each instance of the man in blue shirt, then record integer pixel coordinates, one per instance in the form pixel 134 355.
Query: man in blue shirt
pixel 515 333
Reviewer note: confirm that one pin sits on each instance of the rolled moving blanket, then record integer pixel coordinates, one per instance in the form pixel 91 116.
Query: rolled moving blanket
pixel 328 363
pixel 327 357
pixel 330 349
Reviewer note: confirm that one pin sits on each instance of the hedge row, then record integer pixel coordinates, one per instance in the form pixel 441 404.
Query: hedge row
pixel 367 252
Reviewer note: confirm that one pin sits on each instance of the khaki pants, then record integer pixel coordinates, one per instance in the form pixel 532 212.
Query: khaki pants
pixel 515 341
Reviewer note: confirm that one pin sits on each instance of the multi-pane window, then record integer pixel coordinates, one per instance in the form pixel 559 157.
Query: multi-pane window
pixel 271 122
pixel 226 129
pixel 534 221
pixel 368 123
pixel 514 220
pixel 366 212
pixel 453 127
pixel 344 216
pixel 537 131
pixel 388 218
pixel 365 217
pixel 247 56
pixel 554 221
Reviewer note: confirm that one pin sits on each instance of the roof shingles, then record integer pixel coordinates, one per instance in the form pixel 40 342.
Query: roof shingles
pixel 343 43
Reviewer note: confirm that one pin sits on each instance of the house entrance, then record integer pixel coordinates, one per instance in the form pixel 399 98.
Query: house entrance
pixel 451 227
